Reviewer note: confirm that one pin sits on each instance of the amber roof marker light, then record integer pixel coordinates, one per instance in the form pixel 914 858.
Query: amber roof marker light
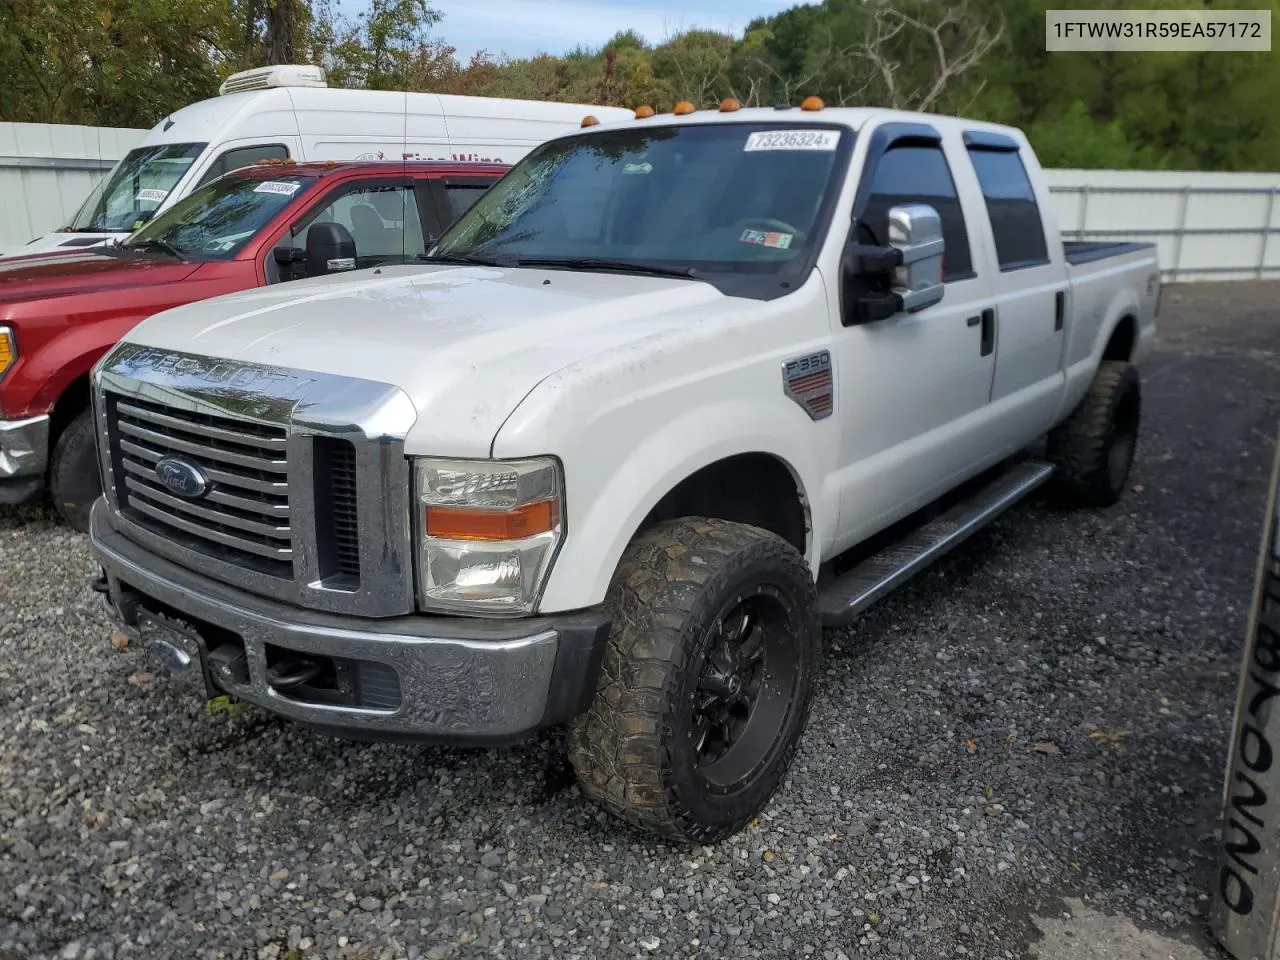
pixel 683 107
pixel 644 113
pixel 589 121
pixel 729 105
pixel 812 103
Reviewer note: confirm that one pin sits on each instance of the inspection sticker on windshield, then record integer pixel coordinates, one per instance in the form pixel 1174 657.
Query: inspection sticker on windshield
pixel 285 188
pixel 154 196
pixel 825 140
pixel 767 238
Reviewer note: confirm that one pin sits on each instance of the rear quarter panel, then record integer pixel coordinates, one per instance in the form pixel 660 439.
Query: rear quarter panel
pixel 1103 293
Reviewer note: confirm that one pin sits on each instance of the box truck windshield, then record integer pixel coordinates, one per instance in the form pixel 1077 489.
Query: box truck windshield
pixel 135 188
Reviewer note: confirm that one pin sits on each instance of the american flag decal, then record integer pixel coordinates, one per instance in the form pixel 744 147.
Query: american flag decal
pixel 808 381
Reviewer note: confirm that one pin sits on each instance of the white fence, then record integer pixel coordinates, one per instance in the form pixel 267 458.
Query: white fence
pixel 1206 226
pixel 47 170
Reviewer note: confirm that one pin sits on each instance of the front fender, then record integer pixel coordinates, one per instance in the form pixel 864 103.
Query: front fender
pixel 615 474
pixel 71 355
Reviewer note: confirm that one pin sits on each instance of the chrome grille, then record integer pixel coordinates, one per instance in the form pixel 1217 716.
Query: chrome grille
pixel 243 518
pixel 306 486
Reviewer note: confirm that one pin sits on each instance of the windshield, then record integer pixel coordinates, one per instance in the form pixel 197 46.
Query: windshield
pixel 727 198
pixel 138 185
pixel 221 217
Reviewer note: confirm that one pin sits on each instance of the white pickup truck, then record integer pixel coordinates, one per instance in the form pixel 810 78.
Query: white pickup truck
pixel 673 395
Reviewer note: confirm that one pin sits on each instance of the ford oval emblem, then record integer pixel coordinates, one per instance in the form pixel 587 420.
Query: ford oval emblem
pixel 182 477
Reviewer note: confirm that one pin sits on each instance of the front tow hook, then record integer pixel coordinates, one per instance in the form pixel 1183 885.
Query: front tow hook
pixel 291 673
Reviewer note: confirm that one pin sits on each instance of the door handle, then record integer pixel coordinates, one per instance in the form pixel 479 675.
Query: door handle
pixel 988 330
pixel 1059 309
pixel 973 321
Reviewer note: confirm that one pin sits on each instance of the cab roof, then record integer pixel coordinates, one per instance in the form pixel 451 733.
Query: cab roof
pixel 854 118
pixel 373 168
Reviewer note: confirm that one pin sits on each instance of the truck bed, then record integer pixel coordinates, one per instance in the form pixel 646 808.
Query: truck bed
pixel 1086 251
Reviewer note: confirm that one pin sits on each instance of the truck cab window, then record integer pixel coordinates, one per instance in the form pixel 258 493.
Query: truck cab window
pixel 1011 205
pixel 459 197
pixel 382 219
pixel 239 157
pixel 912 174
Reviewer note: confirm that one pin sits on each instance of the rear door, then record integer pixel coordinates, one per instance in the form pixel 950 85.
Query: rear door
pixel 1029 277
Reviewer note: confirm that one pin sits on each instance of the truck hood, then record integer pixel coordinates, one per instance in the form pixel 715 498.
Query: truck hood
pixel 466 344
pixel 60 243
pixel 63 274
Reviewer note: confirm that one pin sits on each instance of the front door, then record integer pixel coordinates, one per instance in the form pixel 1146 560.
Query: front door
pixel 387 220
pixel 913 385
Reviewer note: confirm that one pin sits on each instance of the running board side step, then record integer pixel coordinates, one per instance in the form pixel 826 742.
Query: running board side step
pixel 848 595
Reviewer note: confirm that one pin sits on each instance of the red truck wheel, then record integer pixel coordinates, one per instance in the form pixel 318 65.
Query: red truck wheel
pixel 74 482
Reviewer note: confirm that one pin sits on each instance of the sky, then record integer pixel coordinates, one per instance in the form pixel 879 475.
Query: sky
pixel 525 27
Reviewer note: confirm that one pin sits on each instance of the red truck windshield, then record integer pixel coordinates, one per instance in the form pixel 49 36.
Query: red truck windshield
pixel 221 217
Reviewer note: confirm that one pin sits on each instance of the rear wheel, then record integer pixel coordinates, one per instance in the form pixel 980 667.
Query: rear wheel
pixel 1093 449
pixel 706 682
pixel 74 482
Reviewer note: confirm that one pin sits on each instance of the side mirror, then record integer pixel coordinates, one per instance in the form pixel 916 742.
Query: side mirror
pixel 330 249
pixel 287 256
pixel 916 231
pixel 906 275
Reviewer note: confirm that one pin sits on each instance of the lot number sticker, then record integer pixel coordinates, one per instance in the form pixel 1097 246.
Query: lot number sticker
pixel 285 188
pixel 824 140
pixel 153 196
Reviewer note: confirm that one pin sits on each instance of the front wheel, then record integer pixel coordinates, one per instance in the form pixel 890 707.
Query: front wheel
pixel 74 482
pixel 706 682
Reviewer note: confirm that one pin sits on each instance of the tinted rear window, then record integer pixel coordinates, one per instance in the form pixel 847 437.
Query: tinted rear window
pixel 1011 205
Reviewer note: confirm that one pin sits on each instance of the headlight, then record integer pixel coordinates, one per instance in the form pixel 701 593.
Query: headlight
pixel 8 350
pixel 487 531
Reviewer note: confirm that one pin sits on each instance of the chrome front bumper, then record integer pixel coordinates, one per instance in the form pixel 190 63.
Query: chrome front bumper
pixel 459 680
pixel 24 447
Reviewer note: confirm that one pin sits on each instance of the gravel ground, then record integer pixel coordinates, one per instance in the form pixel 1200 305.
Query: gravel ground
pixel 1044 715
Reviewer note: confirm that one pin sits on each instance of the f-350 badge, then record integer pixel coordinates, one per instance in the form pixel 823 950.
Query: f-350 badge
pixel 808 381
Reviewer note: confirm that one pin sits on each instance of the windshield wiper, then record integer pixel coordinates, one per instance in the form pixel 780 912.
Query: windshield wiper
pixel 155 243
pixel 460 258
pixel 598 263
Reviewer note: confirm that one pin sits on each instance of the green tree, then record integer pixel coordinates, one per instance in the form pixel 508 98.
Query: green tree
pixel 696 65
pixel 118 62
pixel 381 48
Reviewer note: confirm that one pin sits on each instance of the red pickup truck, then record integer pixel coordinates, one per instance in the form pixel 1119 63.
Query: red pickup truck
pixel 260 225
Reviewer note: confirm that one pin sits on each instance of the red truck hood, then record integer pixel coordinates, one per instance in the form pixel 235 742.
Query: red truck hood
pixel 62 274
